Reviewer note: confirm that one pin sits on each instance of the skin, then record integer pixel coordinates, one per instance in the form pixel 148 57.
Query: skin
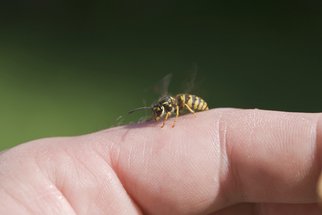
pixel 222 161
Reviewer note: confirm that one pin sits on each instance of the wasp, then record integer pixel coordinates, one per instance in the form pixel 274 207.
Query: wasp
pixel 168 105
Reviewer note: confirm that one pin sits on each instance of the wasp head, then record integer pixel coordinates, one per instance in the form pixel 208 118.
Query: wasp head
pixel 164 105
pixel 158 111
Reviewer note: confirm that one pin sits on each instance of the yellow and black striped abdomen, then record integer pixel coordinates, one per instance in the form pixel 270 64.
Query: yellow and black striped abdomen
pixel 194 102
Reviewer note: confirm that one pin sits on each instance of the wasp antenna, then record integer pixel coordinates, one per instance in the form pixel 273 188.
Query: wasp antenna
pixel 137 109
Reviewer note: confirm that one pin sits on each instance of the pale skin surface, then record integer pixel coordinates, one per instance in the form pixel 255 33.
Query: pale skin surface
pixel 222 161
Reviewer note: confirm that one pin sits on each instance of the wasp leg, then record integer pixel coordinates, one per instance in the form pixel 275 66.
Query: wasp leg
pixel 175 119
pixel 190 109
pixel 165 118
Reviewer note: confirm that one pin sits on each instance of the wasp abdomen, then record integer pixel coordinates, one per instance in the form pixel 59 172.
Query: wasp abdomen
pixel 194 102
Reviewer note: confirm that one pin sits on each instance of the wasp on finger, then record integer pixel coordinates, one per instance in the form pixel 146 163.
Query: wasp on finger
pixel 168 105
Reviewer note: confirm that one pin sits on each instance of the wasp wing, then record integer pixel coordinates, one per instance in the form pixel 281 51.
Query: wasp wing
pixel 162 87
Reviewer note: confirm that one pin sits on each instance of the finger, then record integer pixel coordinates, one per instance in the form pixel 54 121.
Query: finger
pixel 275 156
pixel 188 169
pixel 60 176
pixel 222 157
pixel 270 209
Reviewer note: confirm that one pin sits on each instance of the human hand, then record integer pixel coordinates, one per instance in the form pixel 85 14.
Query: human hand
pixel 223 161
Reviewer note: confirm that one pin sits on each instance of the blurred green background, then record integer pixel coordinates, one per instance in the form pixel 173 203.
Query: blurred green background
pixel 73 67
